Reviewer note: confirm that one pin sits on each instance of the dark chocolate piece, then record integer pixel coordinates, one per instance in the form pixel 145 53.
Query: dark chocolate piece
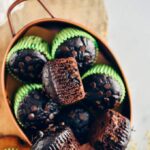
pixel 62 81
pixel 27 65
pixel 81 48
pixel 36 111
pixel 56 138
pixel 111 131
pixel 103 91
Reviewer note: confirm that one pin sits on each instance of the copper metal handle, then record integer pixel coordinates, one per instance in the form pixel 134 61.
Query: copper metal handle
pixel 17 2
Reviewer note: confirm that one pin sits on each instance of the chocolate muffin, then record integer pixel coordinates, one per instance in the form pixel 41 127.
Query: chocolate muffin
pixel 105 88
pixel 27 58
pixel 111 131
pixel 56 138
pixel 62 82
pixel 79 120
pixel 71 42
pixel 33 109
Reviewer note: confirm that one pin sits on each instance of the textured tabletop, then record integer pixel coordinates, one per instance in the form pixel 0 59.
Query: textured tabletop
pixel 129 37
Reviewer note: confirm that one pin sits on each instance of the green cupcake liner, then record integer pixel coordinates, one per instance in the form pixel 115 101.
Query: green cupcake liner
pixel 69 33
pixel 30 42
pixel 21 93
pixel 109 71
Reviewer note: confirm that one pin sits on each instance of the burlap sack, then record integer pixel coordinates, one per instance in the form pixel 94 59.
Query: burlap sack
pixel 87 12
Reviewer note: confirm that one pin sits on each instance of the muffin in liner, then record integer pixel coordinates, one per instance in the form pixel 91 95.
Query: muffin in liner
pixel 105 88
pixel 27 58
pixel 33 110
pixel 72 42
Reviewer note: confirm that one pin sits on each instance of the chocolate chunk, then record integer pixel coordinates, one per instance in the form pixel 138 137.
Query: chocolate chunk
pixel 21 64
pixel 106 100
pixel 31 116
pixel 15 70
pixel 51 116
pixel 36 96
pixel 108 93
pixel 62 81
pixel 100 93
pixel 30 68
pixel 82 48
pixel 93 85
pixel 107 86
pixel 28 58
pixel 22 70
pixel 34 108
pixel 74 53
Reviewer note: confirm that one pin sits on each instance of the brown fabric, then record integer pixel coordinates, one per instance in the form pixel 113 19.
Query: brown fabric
pixel 12 142
pixel 87 12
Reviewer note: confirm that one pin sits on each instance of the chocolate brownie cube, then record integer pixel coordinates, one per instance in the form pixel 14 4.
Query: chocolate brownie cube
pixel 62 81
pixel 111 131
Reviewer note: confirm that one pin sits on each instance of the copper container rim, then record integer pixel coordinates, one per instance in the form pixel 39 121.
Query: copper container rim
pixel 56 20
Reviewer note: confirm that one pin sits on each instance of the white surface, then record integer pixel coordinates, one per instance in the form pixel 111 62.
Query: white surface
pixel 3 7
pixel 129 37
pixel 4 4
